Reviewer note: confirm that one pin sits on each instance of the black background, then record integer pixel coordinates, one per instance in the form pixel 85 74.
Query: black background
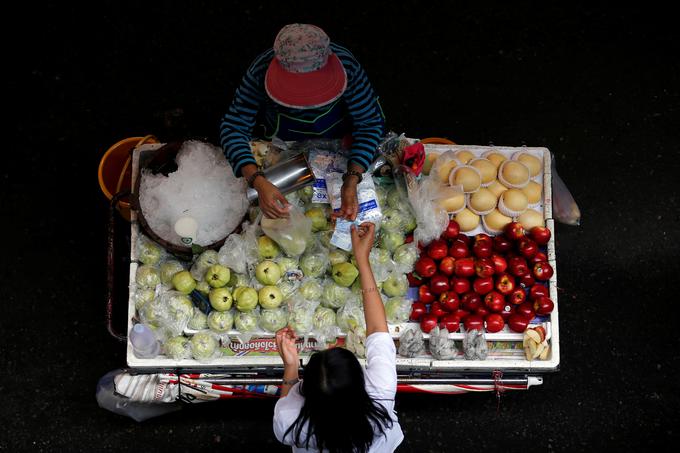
pixel 596 85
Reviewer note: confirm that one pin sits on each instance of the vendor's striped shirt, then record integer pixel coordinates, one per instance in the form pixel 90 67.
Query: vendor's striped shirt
pixel 361 107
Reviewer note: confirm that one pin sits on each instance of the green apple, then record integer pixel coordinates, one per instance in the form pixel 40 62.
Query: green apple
pixel 246 298
pixel 217 275
pixel 267 248
pixel 184 282
pixel 220 299
pixel 203 287
pixel 149 253
pixel 204 345
pixel 220 321
pixel 268 272
pixel 395 285
pixel 147 276
pixel 338 256
pixel 169 269
pixel 318 217
pixel 270 297
pixel 344 274
pixel 390 240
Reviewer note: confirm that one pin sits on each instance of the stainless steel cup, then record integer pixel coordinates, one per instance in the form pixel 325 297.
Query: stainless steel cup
pixel 288 176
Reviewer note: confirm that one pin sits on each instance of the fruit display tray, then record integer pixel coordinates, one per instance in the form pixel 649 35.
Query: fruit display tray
pixel 259 355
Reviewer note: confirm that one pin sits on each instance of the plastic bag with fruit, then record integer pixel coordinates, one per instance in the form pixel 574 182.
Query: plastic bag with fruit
pixel 314 262
pixel 431 218
pixel 356 341
pixel 247 324
pixel 441 346
pixel 565 209
pixel 301 315
pixel 292 233
pixel 475 346
pixel 411 343
pixel 233 253
pixel 398 309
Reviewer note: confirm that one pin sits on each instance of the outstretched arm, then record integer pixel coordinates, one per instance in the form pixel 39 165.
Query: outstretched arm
pixel 374 310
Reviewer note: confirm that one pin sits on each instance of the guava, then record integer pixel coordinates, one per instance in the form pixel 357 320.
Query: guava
pixel 147 276
pixel 246 322
pixel 169 269
pixel 217 275
pixel 397 310
pixel 325 238
pixel 267 249
pixel 177 348
pixel 270 297
pixel 305 194
pixel 203 262
pixel 221 299
pixel 390 240
pixel 301 320
pixel 198 321
pixel 334 295
pixel 406 255
pixel 395 285
pixel 338 256
pixel 318 217
pixel 246 298
pixel 142 296
pixel 183 282
pixel 220 321
pixel 392 220
pixel 344 274
pixel 272 320
pixel 204 345
pixel 323 317
pixel 286 264
pixel 311 289
pixel 313 264
pixel 268 272
pixel 148 252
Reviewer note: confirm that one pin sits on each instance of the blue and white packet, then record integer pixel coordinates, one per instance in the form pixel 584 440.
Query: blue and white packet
pixel 324 162
pixel 369 209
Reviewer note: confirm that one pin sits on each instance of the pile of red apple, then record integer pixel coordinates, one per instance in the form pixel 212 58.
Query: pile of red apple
pixel 482 282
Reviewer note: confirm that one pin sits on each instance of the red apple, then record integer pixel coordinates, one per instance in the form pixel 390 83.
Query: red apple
pixel 494 323
pixel 505 284
pixel 507 311
pixel 526 309
pixel 465 238
pixel 538 291
pixel 517 296
pixel 418 309
pixel 538 257
pixel 514 231
pixel 449 301
pixel 439 283
pixel 464 267
pixel 414 279
pixel 483 248
pixel 494 301
pixel 527 248
pixel 461 314
pixel 482 311
pixel 526 281
pixel 437 309
pixel 459 249
pixel 446 265
pixel 428 322
pixel 543 306
pixel 450 322
pixel 517 266
pixel 460 285
pixel 425 295
pixel 437 249
pixel 474 322
pixel 518 322
pixel 408 238
pixel 501 244
pixel 482 285
pixel 452 230
pixel 483 237
pixel 540 234
pixel 470 301
pixel 484 267
pixel 425 267
pixel 500 264
pixel 542 271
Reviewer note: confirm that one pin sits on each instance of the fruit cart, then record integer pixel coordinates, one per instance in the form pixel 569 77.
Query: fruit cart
pixel 253 368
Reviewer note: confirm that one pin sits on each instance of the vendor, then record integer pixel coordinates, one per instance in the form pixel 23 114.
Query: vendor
pixel 304 87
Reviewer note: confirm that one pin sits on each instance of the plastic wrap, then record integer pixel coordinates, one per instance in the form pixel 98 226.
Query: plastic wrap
pixel 177 348
pixel 168 270
pixel 333 295
pixel 351 314
pixel 246 323
pixel 405 257
pixel 220 321
pixel 314 262
pixel 311 289
pixel 356 341
pixel 274 319
pixel 324 159
pixel 205 346
pixel 301 315
pixel 411 343
pixel 203 263
pixel 398 309
pixel 565 209
pixel 142 296
pixel 441 346
pixel 291 233
pixel 431 218
pixel 233 253
pixel 148 251
pixel 198 321
pixel 381 263
pixel 475 346
pixel 147 277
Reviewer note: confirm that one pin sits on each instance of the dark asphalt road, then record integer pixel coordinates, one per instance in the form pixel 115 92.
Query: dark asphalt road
pixel 599 87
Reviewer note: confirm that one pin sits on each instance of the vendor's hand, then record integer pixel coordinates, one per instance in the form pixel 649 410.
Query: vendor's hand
pixel 272 203
pixel 362 240
pixel 350 204
pixel 285 343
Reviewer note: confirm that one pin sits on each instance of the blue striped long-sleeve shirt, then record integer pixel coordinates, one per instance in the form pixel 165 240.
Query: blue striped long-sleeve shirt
pixel 358 111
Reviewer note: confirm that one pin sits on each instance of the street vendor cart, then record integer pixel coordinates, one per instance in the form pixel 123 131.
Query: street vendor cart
pixel 251 367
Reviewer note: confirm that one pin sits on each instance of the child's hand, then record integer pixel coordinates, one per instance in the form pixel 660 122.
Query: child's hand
pixel 285 343
pixel 362 240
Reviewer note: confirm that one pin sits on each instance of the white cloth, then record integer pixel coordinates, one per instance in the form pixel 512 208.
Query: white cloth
pixel 380 375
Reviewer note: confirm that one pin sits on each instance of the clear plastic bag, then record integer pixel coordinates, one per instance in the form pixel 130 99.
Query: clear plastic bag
pixel 314 262
pixel 411 343
pixel 431 218
pixel 351 314
pixel 356 341
pixel 274 319
pixel 202 264
pixel 333 295
pixel 441 346
pixel 398 309
pixel 148 251
pixel 292 233
pixel 205 346
pixel 301 315
pixel 475 346
pixel 233 253
pixel 565 209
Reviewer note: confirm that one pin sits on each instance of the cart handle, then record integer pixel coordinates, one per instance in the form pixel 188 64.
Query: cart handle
pixel 110 261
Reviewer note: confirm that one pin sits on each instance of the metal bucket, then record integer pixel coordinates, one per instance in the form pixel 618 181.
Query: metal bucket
pixel 288 176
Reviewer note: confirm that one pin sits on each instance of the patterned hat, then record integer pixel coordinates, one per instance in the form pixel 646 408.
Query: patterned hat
pixel 304 72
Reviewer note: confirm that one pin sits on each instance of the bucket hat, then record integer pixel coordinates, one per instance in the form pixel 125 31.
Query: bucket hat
pixel 304 73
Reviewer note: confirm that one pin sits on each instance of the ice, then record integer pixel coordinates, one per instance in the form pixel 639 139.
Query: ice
pixel 203 187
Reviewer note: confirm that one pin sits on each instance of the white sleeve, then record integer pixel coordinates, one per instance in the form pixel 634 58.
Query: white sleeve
pixel 286 412
pixel 381 365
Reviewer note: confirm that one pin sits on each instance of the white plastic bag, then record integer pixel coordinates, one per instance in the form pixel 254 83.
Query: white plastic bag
pixel 292 233
pixel 565 209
